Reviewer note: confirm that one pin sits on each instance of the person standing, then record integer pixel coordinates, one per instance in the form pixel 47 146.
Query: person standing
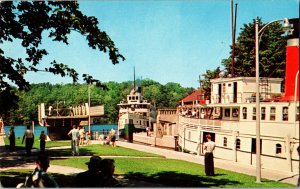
pixel 81 135
pixel 29 140
pixel 209 147
pixel 42 142
pixel 12 139
pixel 113 137
pixel 74 134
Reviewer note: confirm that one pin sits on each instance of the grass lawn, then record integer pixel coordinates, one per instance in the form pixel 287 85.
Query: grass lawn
pixel 176 173
pixel 152 168
pixel 36 144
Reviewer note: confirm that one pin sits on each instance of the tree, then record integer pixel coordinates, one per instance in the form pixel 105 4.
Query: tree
pixel 210 74
pixel 25 21
pixel 271 52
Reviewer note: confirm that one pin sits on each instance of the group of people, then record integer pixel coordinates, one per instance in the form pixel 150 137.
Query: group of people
pixel 99 174
pixel 109 139
pixel 28 138
pixel 77 138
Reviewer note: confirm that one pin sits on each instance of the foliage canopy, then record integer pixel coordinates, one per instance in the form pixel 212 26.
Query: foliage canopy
pixel 25 21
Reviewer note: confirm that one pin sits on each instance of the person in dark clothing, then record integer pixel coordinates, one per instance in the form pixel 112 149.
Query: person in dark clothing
pixel 107 168
pixel 12 139
pixel 29 140
pixel 39 177
pixel 42 142
pixel 91 177
pixel 209 147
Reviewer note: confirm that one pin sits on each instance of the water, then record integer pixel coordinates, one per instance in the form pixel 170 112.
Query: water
pixel 20 129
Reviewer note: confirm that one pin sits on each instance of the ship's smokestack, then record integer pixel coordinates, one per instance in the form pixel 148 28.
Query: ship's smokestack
pixel 292 62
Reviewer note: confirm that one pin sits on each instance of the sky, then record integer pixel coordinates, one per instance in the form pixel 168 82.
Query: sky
pixel 166 41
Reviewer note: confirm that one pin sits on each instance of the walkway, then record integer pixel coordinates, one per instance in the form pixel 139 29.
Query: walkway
pixel 286 177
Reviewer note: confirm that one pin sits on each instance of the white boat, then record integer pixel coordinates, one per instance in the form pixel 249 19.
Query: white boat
pixel 135 115
pixel 230 118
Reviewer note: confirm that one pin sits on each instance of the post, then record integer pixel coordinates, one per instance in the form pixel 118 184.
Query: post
pixel 258 164
pixel 288 153
pixel 89 91
pixel 32 123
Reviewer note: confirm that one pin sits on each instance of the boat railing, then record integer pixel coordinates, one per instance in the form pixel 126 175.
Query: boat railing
pixel 205 123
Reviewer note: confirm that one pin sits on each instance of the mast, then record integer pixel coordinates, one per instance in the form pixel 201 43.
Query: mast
pixel 134 78
pixel 233 28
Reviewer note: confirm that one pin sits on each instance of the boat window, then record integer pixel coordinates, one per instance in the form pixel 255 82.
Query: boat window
pixel 254 114
pixel 226 112
pixel 244 113
pixel 235 112
pixel 272 113
pixel 238 144
pixel 225 141
pixel 263 113
pixel 285 114
pixel 278 148
pixel 129 98
pixel 297 114
pixel 137 97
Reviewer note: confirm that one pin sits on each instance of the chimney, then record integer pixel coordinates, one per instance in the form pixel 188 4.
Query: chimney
pixel 292 62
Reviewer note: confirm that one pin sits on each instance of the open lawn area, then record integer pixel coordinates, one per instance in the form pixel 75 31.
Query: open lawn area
pixel 136 165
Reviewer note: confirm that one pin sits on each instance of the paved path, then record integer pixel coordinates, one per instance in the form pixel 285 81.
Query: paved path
pixel 286 177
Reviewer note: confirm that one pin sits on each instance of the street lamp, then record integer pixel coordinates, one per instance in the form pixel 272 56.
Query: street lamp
pixel 89 94
pixel 258 35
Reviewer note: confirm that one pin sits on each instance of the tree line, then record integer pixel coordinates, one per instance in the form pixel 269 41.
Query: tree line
pixel 161 96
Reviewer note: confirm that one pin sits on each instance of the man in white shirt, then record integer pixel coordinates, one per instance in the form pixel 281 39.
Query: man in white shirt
pixel 209 147
pixel 74 134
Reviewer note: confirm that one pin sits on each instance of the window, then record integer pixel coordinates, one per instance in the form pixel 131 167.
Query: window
pixel 297 114
pixel 285 113
pixel 225 141
pixel 278 148
pixel 263 113
pixel 244 113
pixel 227 112
pixel 129 98
pixel 235 112
pixel 238 144
pixel 272 113
pixel 254 114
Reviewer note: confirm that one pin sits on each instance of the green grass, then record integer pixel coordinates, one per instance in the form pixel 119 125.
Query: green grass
pixel 156 169
pixel 176 173
pixel 36 144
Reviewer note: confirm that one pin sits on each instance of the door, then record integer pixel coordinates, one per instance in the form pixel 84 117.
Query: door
pixel 234 92
pixel 219 93
pixel 253 150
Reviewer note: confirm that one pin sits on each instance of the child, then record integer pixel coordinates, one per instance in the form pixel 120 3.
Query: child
pixel 42 142
pixel 88 138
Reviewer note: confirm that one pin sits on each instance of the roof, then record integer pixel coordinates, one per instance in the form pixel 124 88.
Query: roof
pixel 194 96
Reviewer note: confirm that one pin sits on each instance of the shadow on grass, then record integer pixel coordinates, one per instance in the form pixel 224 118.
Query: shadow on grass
pixel 174 179
pixel 12 178
pixel 68 152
